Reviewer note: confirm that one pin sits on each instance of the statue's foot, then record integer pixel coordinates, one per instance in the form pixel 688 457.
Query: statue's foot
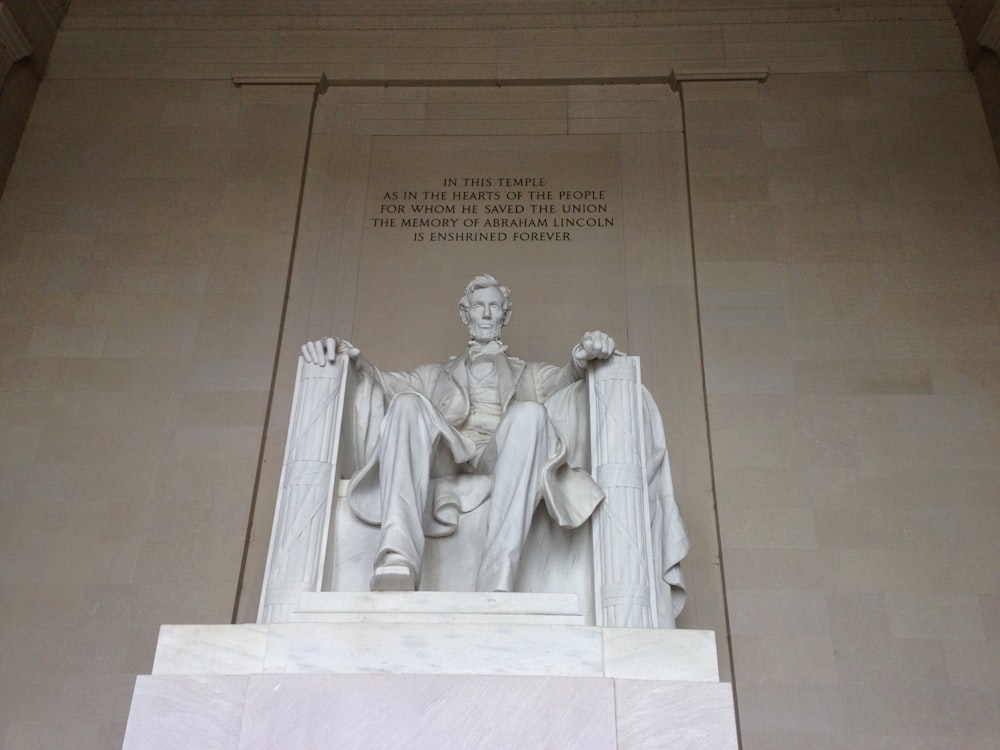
pixel 395 573
pixel 496 577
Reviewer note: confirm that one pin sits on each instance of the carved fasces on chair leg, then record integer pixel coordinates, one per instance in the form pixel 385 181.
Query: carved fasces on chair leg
pixel 302 513
pixel 623 560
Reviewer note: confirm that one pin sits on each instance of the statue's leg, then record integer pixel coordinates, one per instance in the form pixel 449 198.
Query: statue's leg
pixel 517 458
pixel 409 431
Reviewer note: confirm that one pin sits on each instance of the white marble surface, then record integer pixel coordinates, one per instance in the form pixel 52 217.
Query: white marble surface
pixel 452 648
pixel 210 649
pixel 678 715
pixel 445 685
pixel 296 557
pixel 226 712
pixel 434 649
pixel 184 712
pixel 644 654
pixel 438 607
pixel 428 711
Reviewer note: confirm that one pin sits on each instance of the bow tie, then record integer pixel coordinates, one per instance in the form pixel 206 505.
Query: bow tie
pixel 489 349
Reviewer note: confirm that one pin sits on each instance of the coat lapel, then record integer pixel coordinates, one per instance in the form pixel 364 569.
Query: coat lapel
pixel 510 370
pixel 458 370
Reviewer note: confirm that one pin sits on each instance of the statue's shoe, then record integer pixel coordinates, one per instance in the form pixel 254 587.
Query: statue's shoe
pixel 394 576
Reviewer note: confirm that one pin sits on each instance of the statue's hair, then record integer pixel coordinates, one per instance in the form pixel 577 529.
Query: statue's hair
pixel 484 281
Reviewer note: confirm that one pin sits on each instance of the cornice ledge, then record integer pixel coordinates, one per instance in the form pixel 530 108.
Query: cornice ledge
pixel 278 80
pixel 673 80
pixel 690 75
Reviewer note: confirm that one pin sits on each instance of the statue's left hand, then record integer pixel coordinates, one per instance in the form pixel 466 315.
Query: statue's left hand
pixel 593 345
pixel 326 350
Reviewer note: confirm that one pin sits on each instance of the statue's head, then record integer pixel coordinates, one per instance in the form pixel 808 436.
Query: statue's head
pixel 485 308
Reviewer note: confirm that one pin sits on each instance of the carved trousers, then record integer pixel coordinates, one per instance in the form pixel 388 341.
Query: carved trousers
pixel 516 457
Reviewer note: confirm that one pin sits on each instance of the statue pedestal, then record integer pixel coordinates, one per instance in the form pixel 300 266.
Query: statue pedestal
pixel 330 664
pixel 367 679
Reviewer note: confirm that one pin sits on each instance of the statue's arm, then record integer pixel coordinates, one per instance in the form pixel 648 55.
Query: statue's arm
pixel 324 351
pixel 592 345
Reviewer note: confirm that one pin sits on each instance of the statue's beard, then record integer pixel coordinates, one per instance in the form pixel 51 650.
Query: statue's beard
pixel 485 333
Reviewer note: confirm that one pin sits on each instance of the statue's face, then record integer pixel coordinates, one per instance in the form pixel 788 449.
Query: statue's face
pixel 485 314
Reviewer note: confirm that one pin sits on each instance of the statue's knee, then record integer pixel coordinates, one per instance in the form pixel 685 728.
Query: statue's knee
pixel 406 405
pixel 526 413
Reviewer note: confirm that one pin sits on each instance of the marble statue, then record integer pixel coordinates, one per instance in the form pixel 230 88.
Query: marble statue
pixel 483 430
pixel 489 419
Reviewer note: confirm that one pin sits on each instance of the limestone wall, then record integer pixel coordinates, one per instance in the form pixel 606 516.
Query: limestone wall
pixel 846 241
pixel 145 237
pixel 821 322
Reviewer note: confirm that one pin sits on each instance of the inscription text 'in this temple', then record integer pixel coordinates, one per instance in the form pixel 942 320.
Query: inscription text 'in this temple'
pixel 470 209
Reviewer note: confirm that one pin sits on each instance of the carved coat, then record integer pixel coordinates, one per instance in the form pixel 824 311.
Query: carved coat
pixel 569 492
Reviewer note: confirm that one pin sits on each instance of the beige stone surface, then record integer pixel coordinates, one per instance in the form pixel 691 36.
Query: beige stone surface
pixel 133 404
pixel 825 338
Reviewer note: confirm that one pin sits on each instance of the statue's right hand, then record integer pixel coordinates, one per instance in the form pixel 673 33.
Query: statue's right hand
pixel 326 350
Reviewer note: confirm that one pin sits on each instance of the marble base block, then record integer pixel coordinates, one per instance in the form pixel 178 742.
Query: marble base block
pixel 305 711
pixel 437 648
pixel 440 685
